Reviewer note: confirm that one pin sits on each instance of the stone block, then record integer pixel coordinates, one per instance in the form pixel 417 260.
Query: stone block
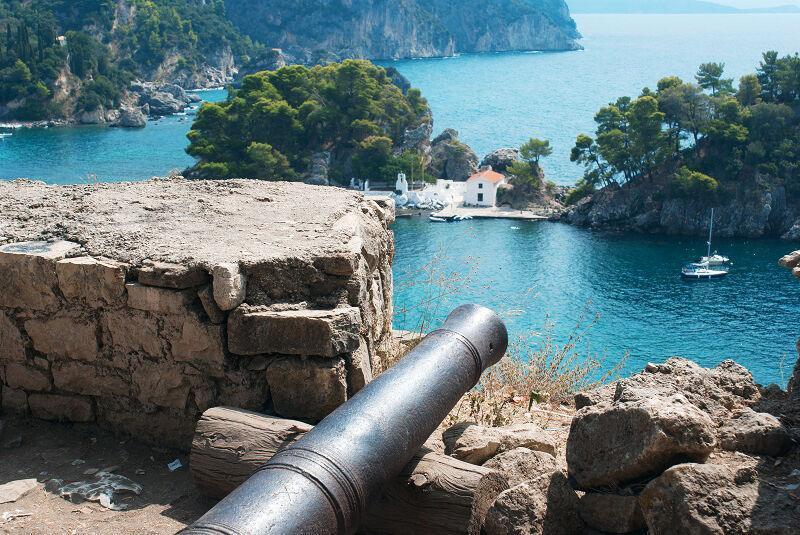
pixel 359 368
pixel 28 274
pixel 476 444
pixel 294 332
pixel 214 313
pixel 61 408
pixel 161 300
pixel 161 384
pixel 91 282
pixel 244 389
pixel 12 348
pixel 15 401
pixel 230 286
pixel 64 336
pixel 174 276
pixel 89 380
pixel 132 332
pixel 197 343
pixel 26 378
pixel 307 388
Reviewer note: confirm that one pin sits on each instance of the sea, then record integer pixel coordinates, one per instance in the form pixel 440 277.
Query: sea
pixel 621 295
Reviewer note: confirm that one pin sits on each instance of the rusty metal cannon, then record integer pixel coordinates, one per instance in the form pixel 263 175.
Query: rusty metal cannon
pixel 322 483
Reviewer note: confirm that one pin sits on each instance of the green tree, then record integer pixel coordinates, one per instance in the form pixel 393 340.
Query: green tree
pixel 709 76
pixel 749 91
pixel 695 184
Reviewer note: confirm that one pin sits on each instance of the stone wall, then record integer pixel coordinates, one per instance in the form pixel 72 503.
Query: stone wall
pixel 138 306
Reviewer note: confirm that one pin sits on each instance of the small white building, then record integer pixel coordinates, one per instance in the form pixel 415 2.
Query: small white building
pixel 481 188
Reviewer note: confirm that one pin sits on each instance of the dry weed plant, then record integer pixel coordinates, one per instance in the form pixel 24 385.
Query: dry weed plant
pixel 535 380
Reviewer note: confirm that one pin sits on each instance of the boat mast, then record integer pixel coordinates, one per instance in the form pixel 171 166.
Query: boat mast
pixel 710 231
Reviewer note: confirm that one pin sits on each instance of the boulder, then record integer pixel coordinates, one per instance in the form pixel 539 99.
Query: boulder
pixel 717 499
pixel 229 286
pixel 96 116
pixel 451 159
pixel 754 432
pixel 716 391
pixel 132 118
pixel 500 159
pixel 14 490
pixel 307 388
pixel 294 332
pixel 477 444
pixel 162 103
pixel 521 464
pixel 611 513
pixel 624 441
pixel 546 505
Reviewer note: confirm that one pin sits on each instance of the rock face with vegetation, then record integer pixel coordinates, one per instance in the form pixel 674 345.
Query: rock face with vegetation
pixel 312 31
pixel 138 306
pixel 75 60
pixel 452 159
pixel 328 123
pixel 663 159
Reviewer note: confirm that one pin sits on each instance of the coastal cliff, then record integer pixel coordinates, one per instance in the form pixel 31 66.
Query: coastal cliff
pixel 755 210
pixel 329 30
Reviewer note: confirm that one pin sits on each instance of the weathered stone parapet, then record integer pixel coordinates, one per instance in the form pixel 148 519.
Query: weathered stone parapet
pixel 141 305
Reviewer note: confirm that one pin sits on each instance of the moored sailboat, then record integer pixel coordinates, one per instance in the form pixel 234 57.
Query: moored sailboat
pixel 704 269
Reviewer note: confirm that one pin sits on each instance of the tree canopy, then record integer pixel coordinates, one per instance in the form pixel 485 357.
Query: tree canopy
pixel 702 135
pixel 276 121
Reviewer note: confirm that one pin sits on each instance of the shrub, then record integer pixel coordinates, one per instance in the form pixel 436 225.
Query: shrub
pixel 688 183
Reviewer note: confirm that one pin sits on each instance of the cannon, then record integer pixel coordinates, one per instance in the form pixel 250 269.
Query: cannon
pixel 322 483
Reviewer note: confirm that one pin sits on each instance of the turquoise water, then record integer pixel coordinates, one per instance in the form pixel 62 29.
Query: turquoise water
pixel 534 270
pixel 497 100
pixel 66 155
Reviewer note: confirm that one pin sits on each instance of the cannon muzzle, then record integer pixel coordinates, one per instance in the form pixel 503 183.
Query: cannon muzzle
pixel 323 483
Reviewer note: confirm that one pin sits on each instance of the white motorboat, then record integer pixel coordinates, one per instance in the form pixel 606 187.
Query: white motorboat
pixel 435 219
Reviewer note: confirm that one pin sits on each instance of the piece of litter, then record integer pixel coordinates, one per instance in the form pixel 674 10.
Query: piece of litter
pixel 174 465
pixel 107 489
pixel 793 486
pixel 795 473
pixel 8 516
pixel 140 472
pixel 14 490
pixel 78 462
pixel 90 471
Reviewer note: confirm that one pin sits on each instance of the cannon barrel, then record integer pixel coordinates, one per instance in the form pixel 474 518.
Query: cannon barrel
pixel 324 482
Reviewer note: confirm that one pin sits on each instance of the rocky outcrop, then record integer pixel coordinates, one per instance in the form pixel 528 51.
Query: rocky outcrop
pixel 500 159
pixel 753 210
pixel 132 118
pixel 126 305
pixel 451 159
pixel 387 29
pixel 683 449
